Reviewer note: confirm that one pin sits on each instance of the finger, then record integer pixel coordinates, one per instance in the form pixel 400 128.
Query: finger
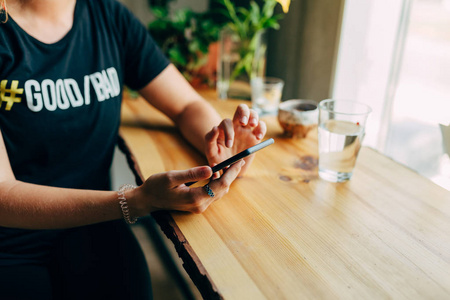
pixel 226 133
pixel 215 175
pixel 211 141
pixel 227 178
pixel 254 118
pixel 260 130
pixel 217 188
pixel 202 200
pixel 241 115
pixel 176 178
pixel 221 137
pixel 203 196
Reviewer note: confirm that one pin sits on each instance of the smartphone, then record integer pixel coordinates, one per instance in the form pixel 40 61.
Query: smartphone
pixel 239 156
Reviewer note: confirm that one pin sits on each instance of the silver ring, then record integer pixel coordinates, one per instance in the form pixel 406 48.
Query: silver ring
pixel 208 190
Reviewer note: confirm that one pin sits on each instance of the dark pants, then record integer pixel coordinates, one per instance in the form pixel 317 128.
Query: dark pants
pixel 101 261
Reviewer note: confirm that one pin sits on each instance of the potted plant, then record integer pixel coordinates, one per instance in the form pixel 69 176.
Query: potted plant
pixel 242 49
pixel 187 38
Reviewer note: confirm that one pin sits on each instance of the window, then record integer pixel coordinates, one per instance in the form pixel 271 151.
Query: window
pixel 394 56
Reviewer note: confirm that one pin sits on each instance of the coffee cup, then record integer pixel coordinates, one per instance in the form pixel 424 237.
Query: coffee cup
pixel 297 117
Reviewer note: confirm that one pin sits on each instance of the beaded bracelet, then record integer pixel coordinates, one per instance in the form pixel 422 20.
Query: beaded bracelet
pixel 124 204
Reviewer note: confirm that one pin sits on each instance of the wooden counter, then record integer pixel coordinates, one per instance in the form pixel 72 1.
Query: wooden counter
pixel 283 233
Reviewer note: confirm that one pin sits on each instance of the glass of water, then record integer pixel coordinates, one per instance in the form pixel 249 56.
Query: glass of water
pixel 341 131
pixel 266 94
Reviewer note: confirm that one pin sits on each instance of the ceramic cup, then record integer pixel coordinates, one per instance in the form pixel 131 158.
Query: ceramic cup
pixel 297 117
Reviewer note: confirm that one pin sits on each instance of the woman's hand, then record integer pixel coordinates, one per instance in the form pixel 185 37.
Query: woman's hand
pixel 167 191
pixel 234 136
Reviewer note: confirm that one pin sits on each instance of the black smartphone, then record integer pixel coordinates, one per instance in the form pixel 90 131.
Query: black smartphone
pixel 239 156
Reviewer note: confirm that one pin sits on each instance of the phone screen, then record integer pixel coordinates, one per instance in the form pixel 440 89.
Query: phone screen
pixel 239 156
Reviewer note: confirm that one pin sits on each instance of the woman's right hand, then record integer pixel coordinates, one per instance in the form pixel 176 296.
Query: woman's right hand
pixel 167 191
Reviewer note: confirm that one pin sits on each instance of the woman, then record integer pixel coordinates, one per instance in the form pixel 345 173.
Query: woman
pixel 62 67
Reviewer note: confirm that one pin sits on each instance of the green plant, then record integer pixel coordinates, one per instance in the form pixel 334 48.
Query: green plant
pixel 248 24
pixel 184 37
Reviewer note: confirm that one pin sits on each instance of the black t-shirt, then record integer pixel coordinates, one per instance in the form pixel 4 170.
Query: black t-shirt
pixel 60 103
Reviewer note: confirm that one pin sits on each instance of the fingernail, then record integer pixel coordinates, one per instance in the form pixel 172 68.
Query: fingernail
pixel 229 143
pixel 244 120
pixel 253 121
pixel 259 136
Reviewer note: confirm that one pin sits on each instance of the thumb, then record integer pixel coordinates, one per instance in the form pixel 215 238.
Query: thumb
pixel 190 175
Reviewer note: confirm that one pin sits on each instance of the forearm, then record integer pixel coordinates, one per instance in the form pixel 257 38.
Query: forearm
pixel 170 93
pixel 30 206
pixel 195 121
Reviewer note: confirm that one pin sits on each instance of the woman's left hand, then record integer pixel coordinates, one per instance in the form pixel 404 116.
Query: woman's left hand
pixel 234 136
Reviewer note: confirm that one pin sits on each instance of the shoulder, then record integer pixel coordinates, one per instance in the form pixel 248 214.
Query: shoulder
pixel 10 44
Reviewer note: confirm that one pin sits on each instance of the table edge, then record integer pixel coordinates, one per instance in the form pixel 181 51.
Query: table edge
pixel 191 262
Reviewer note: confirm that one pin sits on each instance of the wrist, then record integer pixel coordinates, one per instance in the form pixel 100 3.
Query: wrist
pixel 137 203
pixel 127 204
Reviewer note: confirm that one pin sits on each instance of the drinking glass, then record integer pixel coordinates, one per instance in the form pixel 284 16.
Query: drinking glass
pixel 341 131
pixel 239 60
pixel 266 94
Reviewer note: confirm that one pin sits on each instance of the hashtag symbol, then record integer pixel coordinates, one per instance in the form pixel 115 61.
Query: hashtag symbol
pixel 9 95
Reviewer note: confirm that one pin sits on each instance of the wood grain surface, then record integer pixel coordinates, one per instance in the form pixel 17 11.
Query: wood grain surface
pixel 283 233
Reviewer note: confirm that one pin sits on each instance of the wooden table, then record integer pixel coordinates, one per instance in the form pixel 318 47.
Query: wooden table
pixel 284 233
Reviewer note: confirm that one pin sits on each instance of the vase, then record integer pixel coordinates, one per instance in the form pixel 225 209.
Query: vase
pixel 205 76
pixel 240 60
